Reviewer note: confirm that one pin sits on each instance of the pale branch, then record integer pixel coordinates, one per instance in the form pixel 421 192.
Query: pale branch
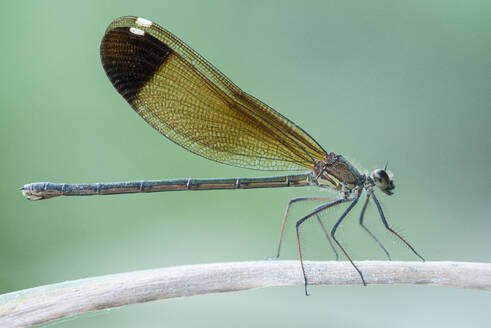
pixel 51 302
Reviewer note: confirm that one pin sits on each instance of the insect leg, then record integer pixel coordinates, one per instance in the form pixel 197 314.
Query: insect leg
pixel 317 210
pixel 327 236
pixel 369 232
pixel 283 224
pixel 384 221
pixel 333 232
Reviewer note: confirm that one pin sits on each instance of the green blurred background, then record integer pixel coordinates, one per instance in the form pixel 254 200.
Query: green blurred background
pixel 403 82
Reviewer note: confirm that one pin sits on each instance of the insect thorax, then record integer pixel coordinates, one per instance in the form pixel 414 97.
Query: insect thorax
pixel 337 173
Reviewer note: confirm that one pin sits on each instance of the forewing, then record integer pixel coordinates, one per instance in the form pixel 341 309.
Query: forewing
pixel 192 103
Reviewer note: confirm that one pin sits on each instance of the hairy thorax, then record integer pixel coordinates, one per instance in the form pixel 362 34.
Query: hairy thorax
pixel 338 173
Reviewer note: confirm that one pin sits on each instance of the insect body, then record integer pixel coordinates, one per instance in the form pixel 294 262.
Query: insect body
pixel 192 103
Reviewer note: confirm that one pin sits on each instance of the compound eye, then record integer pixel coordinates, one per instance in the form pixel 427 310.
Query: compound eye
pixel 383 181
pixel 381 176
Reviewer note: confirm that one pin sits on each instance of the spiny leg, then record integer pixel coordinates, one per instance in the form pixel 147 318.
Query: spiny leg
pixel 384 221
pixel 369 232
pixel 283 224
pixel 317 210
pixel 327 236
pixel 333 232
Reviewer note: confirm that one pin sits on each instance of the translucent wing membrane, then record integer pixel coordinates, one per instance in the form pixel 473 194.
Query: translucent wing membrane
pixel 190 102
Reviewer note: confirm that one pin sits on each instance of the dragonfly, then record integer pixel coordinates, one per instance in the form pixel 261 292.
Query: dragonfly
pixel 189 101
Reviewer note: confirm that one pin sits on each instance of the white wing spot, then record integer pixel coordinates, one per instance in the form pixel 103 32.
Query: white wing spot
pixel 137 31
pixel 143 22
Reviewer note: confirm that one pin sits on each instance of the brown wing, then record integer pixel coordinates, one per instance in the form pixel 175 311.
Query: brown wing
pixel 190 102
